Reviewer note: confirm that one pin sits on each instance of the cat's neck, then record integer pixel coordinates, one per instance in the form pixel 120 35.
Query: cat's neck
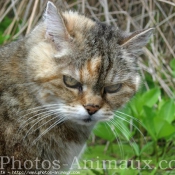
pixel 69 138
pixel 69 131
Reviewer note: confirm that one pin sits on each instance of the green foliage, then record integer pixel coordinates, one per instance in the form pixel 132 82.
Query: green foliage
pixel 148 135
pixel 104 132
pixel 157 117
pixel 172 65
pixel 3 25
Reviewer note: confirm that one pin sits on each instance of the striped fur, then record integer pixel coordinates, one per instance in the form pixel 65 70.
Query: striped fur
pixel 33 96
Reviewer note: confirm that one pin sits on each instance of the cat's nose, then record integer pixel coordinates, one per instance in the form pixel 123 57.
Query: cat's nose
pixel 92 109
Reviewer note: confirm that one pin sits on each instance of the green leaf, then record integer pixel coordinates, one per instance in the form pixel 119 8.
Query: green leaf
pixel 151 97
pixel 149 112
pixel 148 122
pixel 163 128
pixel 173 73
pixel 5 23
pixel 136 148
pixel 96 172
pixel 161 103
pixel 167 111
pixel 172 64
pixel 145 147
pixel 104 131
pixel 134 105
pixel 125 171
pixel 4 38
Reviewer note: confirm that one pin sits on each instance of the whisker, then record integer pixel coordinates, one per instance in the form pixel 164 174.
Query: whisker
pixel 122 129
pixel 45 112
pixel 48 105
pixel 37 110
pixel 46 122
pixel 48 129
pixel 117 138
pixel 119 126
pixel 46 116
pixel 135 119
pixel 129 116
pixel 124 119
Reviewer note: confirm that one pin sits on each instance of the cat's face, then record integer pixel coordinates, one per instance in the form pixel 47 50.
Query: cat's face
pixel 83 70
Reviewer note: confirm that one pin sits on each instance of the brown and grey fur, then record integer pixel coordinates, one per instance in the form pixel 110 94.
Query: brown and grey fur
pixel 31 71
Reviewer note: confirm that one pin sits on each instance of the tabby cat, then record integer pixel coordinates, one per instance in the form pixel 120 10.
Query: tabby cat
pixel 68 74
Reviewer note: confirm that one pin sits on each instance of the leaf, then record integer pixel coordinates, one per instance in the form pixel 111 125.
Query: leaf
pixel 163 128
pixel 5 23
pixel 172 64
pixel 103 131
pixel 173 73
pixel 148 122
pixel 145 147
pixel 149 112
pixel 134 109
pixel 167 111
pixel 134 105
pixel 136 148
pixel 96 172
pixel 151 97
pixel 161 103
pixel 125 171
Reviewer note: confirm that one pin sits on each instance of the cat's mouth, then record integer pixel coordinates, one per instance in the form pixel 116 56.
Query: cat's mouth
pixel 87 120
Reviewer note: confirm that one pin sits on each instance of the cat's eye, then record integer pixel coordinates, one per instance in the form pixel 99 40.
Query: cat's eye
pixel 113 88
pixel 71 82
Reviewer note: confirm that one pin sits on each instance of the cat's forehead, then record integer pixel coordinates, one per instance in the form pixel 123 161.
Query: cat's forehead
pixel 88 72
pixel 94 71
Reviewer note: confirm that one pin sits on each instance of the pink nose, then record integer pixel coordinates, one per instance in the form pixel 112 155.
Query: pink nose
pixel 91 109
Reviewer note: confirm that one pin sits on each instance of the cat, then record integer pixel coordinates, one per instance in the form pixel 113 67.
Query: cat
pixel 68 74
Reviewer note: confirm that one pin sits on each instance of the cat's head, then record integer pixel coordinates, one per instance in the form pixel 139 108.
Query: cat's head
pixel 83 69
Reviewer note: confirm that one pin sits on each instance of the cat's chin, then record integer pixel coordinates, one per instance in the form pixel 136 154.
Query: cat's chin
pixel 87 122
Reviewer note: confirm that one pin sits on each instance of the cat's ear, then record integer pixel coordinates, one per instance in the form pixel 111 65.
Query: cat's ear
pixel 55 27
pixel 134 42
